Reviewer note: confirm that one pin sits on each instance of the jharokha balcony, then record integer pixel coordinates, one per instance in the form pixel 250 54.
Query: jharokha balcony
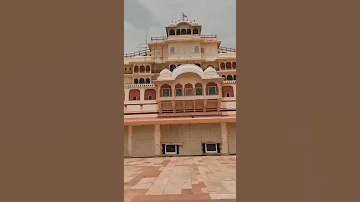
pixel 189 91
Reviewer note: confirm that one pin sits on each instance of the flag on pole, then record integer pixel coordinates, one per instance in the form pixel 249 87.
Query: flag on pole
pixel 184 16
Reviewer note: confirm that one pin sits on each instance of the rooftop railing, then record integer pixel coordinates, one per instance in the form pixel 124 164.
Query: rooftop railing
pixel 147 51
pixel 228 49
pixel 138 53
pixel 161 38
pixel 208 36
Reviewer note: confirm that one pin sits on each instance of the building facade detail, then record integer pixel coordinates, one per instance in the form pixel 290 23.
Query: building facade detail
pixel 180 95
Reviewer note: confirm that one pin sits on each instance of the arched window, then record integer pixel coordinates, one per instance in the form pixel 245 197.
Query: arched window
pixel 178 90
pixel 147 68
pixel 195 31
pixel 188 89
pixel 228 91
pixel 172 32
pixel 147 81
pixel 136 69
pixel 142 69
pixel 224 77
pixel 235 77
pixel 136 81
pixel 211 89
pixel 141 81
pixel 188 31
pixel 228 65
pixel 222 66
pixel 150 94
pixel 198 89
pixel 134 94
pixel 178 32
pixel 166 90
pixel 229 78
pixel 234 65
pixel 183 31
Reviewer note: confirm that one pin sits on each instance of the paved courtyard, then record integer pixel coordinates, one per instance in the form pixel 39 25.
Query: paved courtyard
pixel 200 178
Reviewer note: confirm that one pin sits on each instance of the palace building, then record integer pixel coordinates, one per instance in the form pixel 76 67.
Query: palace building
pixel 180 95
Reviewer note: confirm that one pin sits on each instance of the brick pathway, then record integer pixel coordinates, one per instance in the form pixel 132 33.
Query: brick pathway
pixel 202 179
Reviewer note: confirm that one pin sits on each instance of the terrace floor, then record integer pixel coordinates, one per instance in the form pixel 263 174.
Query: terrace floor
pixel 200 178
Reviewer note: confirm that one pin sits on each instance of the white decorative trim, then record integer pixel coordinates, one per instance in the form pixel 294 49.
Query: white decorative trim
pixel 139 85
pixel 229 81
pixel 188 68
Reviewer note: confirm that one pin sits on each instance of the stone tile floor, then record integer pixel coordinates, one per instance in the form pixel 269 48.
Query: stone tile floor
pixel 200 178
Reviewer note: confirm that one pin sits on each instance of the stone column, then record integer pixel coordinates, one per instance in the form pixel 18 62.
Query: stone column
pixel 220 89
pixel 130 134
pixel 157 137
pixel 142 94
pixel 224 135
pixel 127 94
pixel 158 92
pixel 234 88
pixel 173 91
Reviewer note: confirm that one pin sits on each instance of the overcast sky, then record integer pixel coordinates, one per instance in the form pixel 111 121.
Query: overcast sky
pixel 141 16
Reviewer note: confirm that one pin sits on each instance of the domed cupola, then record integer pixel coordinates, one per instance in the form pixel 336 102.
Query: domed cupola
pixel 165 74
pixel 210 72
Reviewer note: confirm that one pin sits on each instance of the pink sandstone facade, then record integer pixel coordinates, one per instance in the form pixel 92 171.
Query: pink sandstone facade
pixel 180 95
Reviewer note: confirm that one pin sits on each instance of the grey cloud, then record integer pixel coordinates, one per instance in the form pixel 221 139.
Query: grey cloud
pixel 217 17
pixel 138 15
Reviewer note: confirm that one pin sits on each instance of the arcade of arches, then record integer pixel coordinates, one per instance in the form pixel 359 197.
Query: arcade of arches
pixel 142 81
pixel 229 77
pixel 186 90
pixel 142 69
pixel 227 66
pixel 183 31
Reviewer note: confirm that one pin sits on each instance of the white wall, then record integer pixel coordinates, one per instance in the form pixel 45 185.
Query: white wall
pixel 184 50
pixel 210 50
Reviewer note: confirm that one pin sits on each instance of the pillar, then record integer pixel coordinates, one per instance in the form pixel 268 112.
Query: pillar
pixel 173 90
pixel 234 88
pixel 158 92
pixel 157 137
pixel 130 134
pixel 219 86
pixel 142 94
pixel 224 135
pixel 127 94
